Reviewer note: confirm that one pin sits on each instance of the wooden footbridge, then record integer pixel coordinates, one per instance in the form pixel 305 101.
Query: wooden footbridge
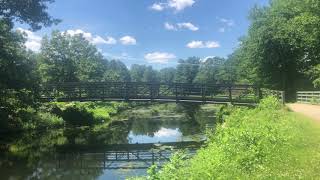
pixel 161 92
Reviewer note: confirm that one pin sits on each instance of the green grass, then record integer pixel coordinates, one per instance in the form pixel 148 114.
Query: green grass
pixel 306 149
pixel 267 142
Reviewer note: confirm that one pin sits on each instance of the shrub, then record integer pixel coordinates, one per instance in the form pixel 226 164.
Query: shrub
pixel 49 120
pixel 77 116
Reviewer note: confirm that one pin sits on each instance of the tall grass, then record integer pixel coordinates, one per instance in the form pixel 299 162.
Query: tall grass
pixel 267 142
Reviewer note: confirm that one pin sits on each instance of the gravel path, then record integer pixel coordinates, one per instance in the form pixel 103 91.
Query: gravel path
pixel 312 111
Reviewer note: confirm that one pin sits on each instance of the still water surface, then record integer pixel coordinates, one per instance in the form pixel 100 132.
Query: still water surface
pixel 122 150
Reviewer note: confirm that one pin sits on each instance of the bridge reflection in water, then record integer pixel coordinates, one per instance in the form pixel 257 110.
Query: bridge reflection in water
pixel 125 156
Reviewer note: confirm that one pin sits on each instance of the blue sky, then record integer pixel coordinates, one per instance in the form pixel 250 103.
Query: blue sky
pixel 153 32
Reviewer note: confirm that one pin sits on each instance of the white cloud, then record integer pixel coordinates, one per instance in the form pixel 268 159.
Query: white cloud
pixel 91 38
pixel 86 35
pixel 183 25
pixel 212 44
pixel 206 58
pixel 188 25
pixel 159 57
pixel 33 42
pixel 169 26
pixel 164 132
pixel 177 5
pixel 228 22
pixel 157 6
pixel 111 40
pixel 195 44
pixel 128 40
pixel 201 44
pixel 98 40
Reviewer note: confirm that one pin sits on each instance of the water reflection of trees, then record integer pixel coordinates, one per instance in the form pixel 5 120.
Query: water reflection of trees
pixel 33 154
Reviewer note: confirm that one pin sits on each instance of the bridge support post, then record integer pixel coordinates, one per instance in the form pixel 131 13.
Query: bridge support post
pixel 230 94
pixel 176 90
pixel 203 93
pixel 152 157
pixel 259 94
pixel 126 91
pixel 80 91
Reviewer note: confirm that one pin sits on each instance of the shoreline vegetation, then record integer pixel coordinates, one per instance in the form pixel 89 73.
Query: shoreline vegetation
pixel 265 142
pixel 93 115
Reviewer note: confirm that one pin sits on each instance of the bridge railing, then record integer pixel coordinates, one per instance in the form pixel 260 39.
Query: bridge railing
pixel 149 91
pixel 310 97
pixel 280 95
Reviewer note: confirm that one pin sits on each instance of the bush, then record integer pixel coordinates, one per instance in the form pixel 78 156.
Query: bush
pixel 77 116
pixel 49 120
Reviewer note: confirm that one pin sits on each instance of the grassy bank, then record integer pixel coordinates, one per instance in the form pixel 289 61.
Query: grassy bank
pixel 261 143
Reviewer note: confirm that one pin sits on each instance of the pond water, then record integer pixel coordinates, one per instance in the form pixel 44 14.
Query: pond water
pixel 124 149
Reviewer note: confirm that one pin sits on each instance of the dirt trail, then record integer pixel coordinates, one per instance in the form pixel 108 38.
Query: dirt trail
pixel 312 111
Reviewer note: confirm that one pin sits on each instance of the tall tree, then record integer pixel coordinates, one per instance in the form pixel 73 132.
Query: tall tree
pixel 66 58
pixel 209 70
pixel 17 70
pixel 283 42
pixel 143 73
pixel 167 75
pixel 137 72
pixel 187 70
pixel 32 12
pixel 117 71
pixel 150 75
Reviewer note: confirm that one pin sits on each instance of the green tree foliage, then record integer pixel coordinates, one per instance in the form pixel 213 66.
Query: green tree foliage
pixel 136 72
pixel 66 58
pixel 150 75
pixel 32 12
pixel 283 42
pixel 187 70
pixel 116 71
pixel 167 75
pixel 209 71
pixel 315 75
pixel 16 65
pixel 18 77
pixel 143 73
